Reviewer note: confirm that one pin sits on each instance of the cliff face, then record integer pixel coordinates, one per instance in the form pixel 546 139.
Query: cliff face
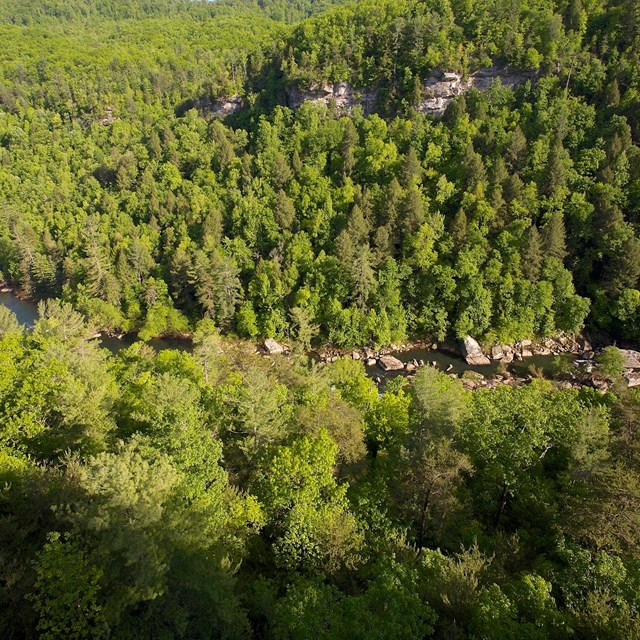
pixel 442 87
pixel 343 94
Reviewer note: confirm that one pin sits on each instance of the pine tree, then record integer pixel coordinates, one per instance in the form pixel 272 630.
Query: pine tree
pixel 555 173
pixel 516 153
pixel 284 212
pixel 475 172
pixel 554 237
pixel 459 229
pixel 612 94
pixel 532 254
pixel 411 169
pixel 349 141
pixel 411 212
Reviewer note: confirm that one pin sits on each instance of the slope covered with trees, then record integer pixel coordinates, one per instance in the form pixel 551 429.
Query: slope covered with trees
pixel 221 495
pixel 513 216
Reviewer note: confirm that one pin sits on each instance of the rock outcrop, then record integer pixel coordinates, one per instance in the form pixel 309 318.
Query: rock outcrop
pixel 226 107
pixel 208 107
pixel 342 94
pixel 473 353
pixel 442 87
pixel 272 347
pixel 631 358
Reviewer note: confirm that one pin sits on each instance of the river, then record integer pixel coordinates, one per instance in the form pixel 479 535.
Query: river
pixel 27 314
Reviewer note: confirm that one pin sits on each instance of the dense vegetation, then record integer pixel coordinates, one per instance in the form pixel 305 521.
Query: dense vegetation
pixel 147 214
pixel 220 494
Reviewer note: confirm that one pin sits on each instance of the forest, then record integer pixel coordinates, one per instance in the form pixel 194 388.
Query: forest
pixel 159 176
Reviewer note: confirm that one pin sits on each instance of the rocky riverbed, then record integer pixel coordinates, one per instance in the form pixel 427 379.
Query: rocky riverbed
pixel 476 366
pixel 513 364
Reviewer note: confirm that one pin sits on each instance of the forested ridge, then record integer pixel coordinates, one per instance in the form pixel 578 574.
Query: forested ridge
pixel 154 180
pixel 512 217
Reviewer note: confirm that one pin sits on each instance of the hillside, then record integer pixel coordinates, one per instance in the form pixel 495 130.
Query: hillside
pixel 323 223
pixel 336 177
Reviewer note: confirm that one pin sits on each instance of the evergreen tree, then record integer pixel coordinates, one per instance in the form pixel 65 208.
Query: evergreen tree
pixel 532 255
pixel 554 237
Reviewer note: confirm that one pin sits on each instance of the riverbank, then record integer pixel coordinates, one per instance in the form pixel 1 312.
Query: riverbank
pixel 486 367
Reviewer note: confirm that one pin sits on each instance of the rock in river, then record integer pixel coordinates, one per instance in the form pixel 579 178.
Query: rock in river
pixel 496 352
pixel 389 363
pixel 473 353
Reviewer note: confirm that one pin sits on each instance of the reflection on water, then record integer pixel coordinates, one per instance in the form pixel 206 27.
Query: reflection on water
pixel 26 312
pixel 159 344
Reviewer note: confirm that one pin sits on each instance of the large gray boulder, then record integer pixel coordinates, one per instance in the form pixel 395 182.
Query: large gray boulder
pixel 389 363
pixel 472 352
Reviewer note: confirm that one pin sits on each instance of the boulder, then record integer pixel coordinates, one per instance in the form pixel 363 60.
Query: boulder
pixel 633 379
pixel 472 375
pixel 603 385
pixel 473 353
pixel 371 362
pixel 631 358
pixel 272 347
pixel 355 355
pixel 389 363
pixel 586 345
pixel 410 367
pixel 496 352
pixel 527 353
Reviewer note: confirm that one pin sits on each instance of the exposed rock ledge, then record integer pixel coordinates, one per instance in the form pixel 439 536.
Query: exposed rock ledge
pixel 342 94
pixel 442 87
pixel 210 107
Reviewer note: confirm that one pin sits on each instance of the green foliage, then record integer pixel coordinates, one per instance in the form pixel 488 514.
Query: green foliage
pixel 66 596
pixel 307 510
pixel 610 363
pixel 222 495
pixel 219 494
pixel 315 224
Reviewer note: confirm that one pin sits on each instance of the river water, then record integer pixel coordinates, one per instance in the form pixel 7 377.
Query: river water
pixel 452 364
pixel 27 314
